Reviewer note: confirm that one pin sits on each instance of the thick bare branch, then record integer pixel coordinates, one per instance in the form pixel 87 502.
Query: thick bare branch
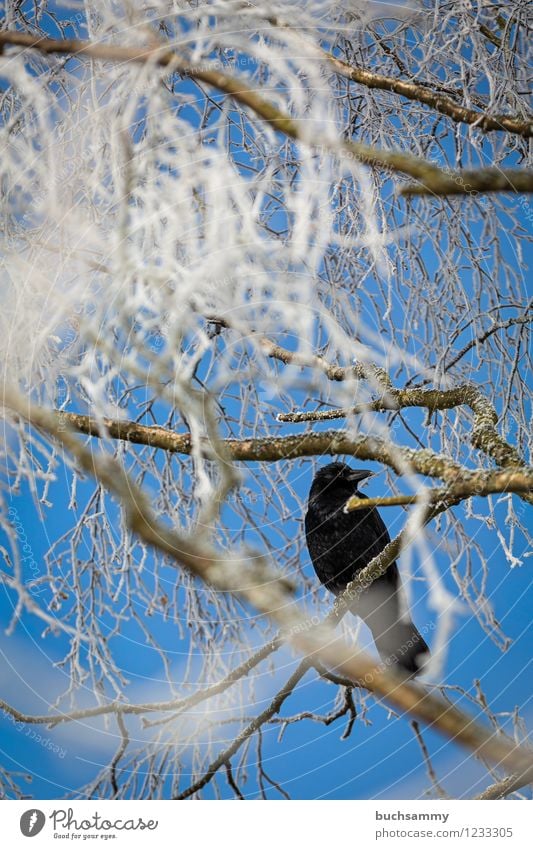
pixel 484 434
pixel 173 705
pixel 425 462
pixel 481 181
pixel 436 100
pixel 519 480
pixel 465 481
pixel 270 448
pixel 377 567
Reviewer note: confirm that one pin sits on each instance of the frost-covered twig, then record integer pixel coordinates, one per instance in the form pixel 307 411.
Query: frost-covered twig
pixel 507 785
pixel 270 449
pixel 174 706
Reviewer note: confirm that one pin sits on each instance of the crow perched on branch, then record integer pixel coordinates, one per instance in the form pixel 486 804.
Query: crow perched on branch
pixel 341 544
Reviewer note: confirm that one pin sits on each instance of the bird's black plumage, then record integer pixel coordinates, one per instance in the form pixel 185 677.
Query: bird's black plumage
pixel 341 544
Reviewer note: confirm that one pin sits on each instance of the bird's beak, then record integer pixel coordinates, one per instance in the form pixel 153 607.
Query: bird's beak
pixel 359 475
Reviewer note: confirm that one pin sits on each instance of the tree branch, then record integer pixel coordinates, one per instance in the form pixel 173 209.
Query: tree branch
pixel 253 580
pixel 357 371
pixel 432 496
pixel 422 93
pixel 174 705
pixel 498 325
pixel 436 100
pixel 123 745
pixel 480 181
pixel 507 785
pixel 432 775
pixel 432 179
pixel 265 449
pixel 272 449
pixel 484 435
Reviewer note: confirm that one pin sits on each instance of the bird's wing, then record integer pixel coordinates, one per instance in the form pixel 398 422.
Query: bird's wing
pixel 379 525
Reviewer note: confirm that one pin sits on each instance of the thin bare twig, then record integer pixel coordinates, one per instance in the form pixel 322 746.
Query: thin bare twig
pixel 498 325
pixel 118 754
pixel 231 781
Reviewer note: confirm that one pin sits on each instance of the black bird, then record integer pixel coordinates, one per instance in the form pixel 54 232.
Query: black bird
pixel 341 544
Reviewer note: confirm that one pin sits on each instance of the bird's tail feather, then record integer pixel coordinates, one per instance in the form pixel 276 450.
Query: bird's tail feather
pixel 397 639
pixel 401 644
